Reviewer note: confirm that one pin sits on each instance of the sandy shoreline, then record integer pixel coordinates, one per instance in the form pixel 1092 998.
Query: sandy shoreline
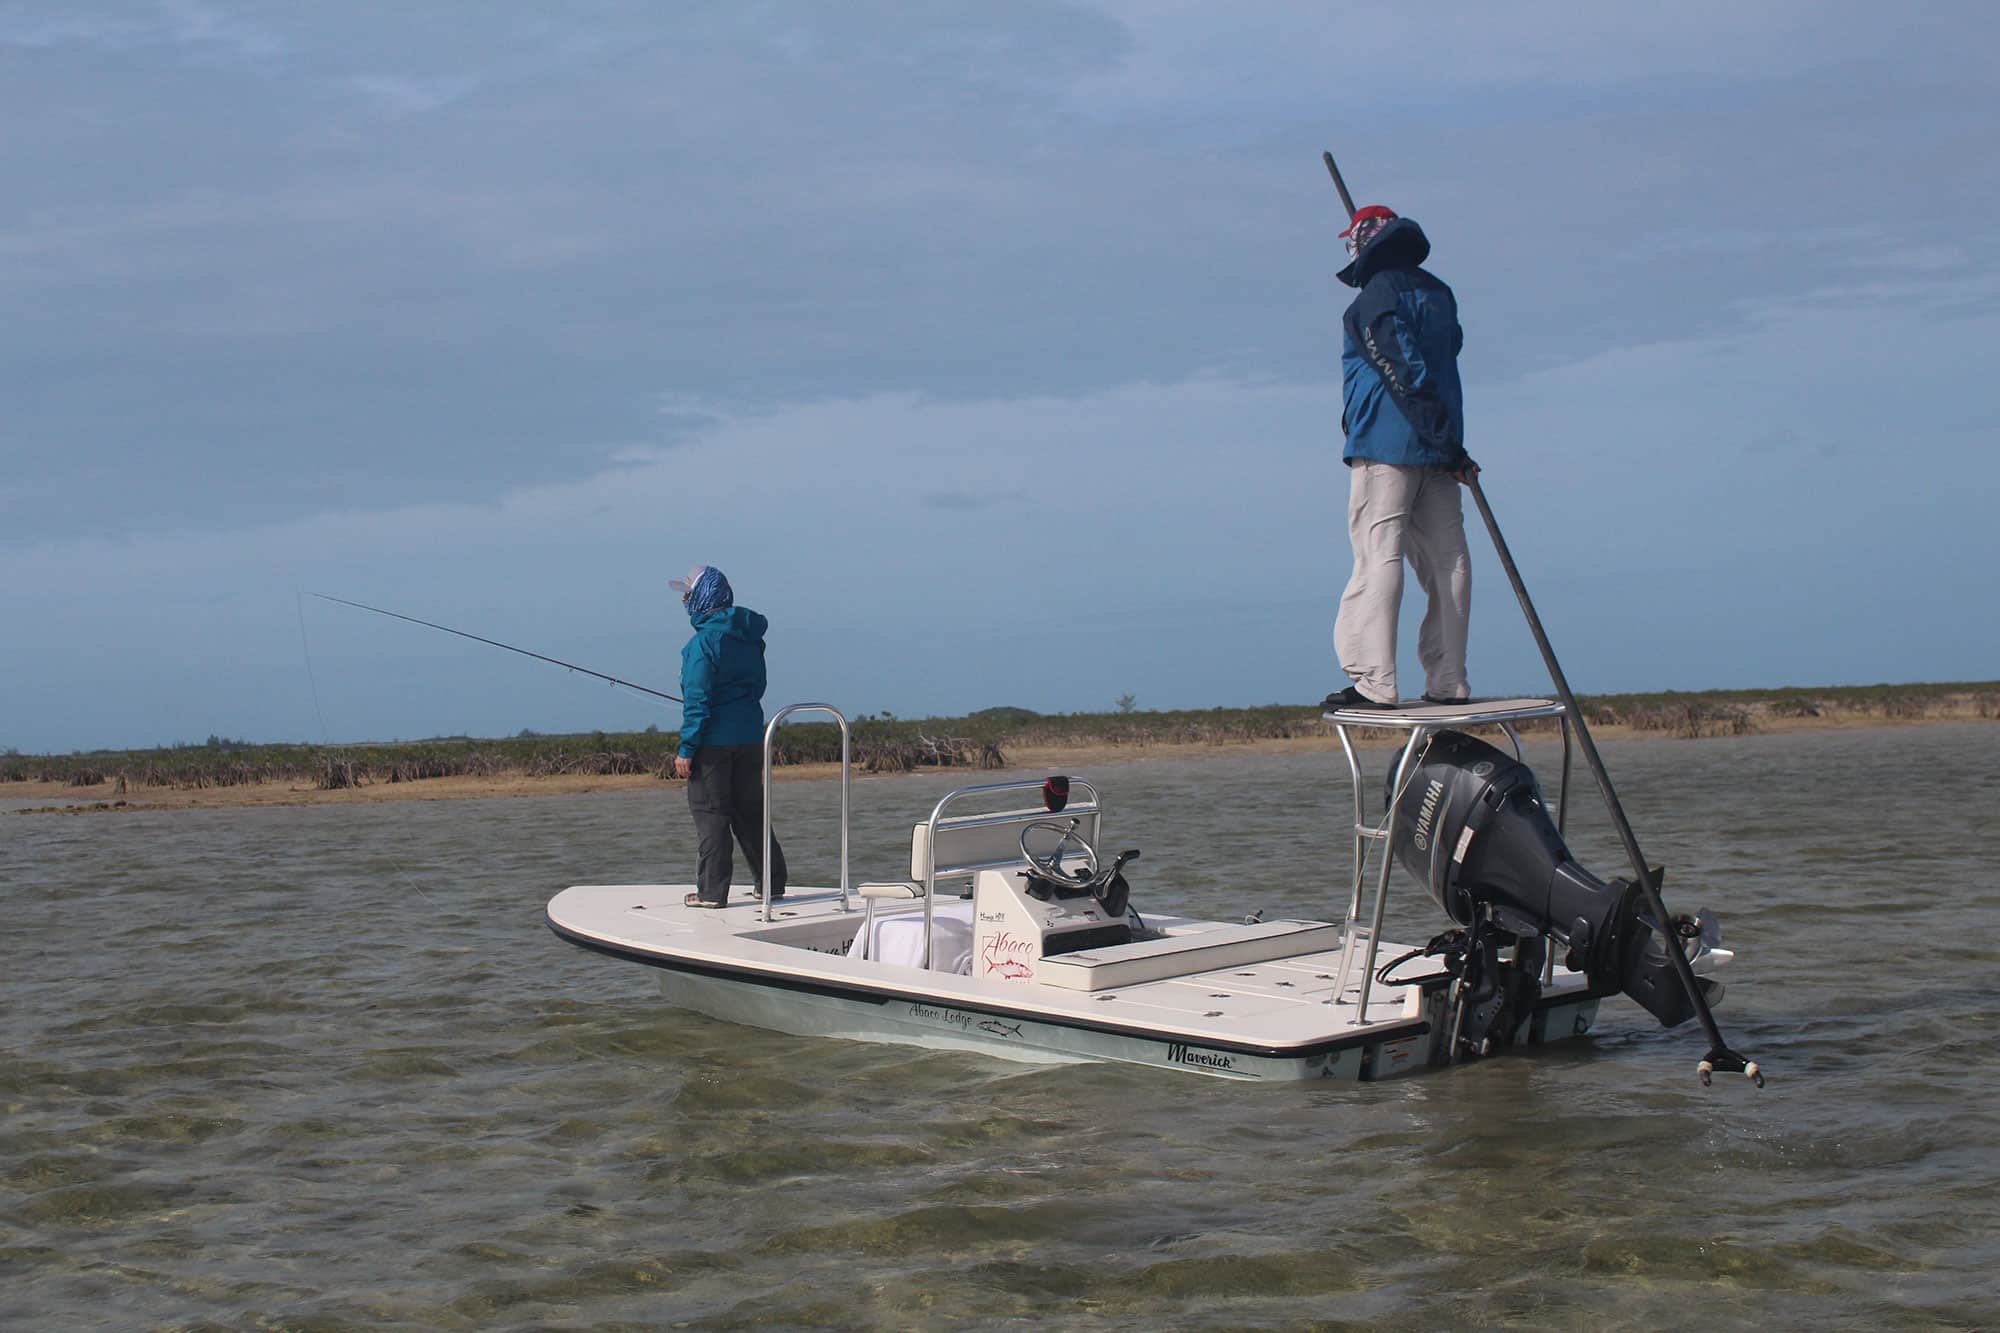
pixel 62 798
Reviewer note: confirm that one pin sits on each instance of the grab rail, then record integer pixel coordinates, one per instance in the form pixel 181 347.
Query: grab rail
pixel 1093 806
pixel 770 730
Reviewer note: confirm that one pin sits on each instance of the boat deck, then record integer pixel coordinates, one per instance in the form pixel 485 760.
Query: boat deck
pixel 1278 1005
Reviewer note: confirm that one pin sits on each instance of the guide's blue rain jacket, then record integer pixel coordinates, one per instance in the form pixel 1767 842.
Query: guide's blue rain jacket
pixel 1400 395
pixel 722 681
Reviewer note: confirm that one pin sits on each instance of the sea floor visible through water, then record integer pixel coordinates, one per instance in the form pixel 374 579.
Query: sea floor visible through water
pixel 324 1067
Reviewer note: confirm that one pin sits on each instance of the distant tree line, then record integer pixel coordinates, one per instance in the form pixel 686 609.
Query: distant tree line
pixel 886 743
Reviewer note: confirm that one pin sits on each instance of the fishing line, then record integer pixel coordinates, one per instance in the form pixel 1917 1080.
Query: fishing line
pixel 463 634
pixel 480 638
pixel 326 743
pixel 306 646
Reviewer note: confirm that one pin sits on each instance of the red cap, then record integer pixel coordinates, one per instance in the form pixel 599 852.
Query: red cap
pixel 1363 214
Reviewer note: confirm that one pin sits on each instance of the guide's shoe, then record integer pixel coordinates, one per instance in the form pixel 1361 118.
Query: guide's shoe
pixel 1352 698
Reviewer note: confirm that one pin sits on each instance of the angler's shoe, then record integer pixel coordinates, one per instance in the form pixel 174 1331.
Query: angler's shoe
pixel 1433 699
pixel 1352 698
pixel 696 900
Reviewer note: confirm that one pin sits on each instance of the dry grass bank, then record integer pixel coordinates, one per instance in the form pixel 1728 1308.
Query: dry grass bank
pixel 1073 742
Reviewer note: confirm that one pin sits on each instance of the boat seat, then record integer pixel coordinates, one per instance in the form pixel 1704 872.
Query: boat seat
pixel 968 844
pixel 898 939
pixel 892 889
pixel 1140 961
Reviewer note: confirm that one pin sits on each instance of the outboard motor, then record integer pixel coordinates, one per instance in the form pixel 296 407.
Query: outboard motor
pixel 1471 825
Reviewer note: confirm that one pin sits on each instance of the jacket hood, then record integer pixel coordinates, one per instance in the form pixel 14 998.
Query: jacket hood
pixel 738 622
pixel 1400 244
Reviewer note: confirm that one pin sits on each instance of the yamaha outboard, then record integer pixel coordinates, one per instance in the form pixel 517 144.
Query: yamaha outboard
pixel 1471 825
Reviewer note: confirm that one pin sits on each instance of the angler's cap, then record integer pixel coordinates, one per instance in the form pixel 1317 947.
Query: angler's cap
pixel 1362 215
pixel 686 585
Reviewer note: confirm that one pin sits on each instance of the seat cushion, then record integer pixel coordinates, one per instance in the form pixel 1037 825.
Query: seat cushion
pixel 899 939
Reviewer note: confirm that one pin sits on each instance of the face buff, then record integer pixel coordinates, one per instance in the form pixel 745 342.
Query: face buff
pixel 1362 233
pixel 711 592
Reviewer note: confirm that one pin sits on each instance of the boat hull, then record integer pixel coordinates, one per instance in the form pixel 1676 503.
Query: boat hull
pixel 938 1026
pixel 801 1005
pixel 935 1025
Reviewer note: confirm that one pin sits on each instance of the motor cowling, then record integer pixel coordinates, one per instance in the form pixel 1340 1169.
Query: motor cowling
pixel 1472 827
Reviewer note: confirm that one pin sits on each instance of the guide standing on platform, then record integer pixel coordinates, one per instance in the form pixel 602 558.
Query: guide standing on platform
pixel 1405 426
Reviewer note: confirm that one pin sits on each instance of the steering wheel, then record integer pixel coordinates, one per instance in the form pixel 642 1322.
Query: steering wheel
pixel 1051 868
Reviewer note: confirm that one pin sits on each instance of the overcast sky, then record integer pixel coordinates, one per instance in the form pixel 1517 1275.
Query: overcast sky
pixel 991 349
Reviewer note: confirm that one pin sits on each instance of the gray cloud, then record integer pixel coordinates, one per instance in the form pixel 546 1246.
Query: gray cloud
pixel 313 282
pixel 263 263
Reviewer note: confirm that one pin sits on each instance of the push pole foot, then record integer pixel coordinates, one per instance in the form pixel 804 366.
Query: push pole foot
pixel 1729 1062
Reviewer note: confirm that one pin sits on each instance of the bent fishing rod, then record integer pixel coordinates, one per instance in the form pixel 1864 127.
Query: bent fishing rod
pixel 478 638
pixel 1720 1056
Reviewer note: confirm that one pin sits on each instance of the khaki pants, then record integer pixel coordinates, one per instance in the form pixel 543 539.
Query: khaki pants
pixel 1394 514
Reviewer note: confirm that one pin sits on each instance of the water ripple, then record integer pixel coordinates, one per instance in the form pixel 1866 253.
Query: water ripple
pixel 324 1067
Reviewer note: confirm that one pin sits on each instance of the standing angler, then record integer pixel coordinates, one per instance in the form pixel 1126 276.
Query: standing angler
pixel 1403 416
pixel 722 733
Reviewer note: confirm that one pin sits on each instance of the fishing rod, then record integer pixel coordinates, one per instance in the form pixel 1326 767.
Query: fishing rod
pixel 1720 1056
pixel 477 638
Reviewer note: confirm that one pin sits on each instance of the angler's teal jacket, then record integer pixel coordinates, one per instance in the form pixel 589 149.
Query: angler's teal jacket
pixel 1399 360
pixel 722 681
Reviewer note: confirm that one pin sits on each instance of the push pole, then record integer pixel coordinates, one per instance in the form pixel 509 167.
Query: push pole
pixel 1719 1055
pixel 1346 199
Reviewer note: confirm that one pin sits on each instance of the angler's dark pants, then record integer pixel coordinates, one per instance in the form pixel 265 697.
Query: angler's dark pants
pixel 726 796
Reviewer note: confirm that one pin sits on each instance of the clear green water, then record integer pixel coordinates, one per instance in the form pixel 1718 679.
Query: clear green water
pixel 325 1068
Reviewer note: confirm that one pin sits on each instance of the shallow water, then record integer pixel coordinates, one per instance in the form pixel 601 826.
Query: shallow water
pixel 325 1067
